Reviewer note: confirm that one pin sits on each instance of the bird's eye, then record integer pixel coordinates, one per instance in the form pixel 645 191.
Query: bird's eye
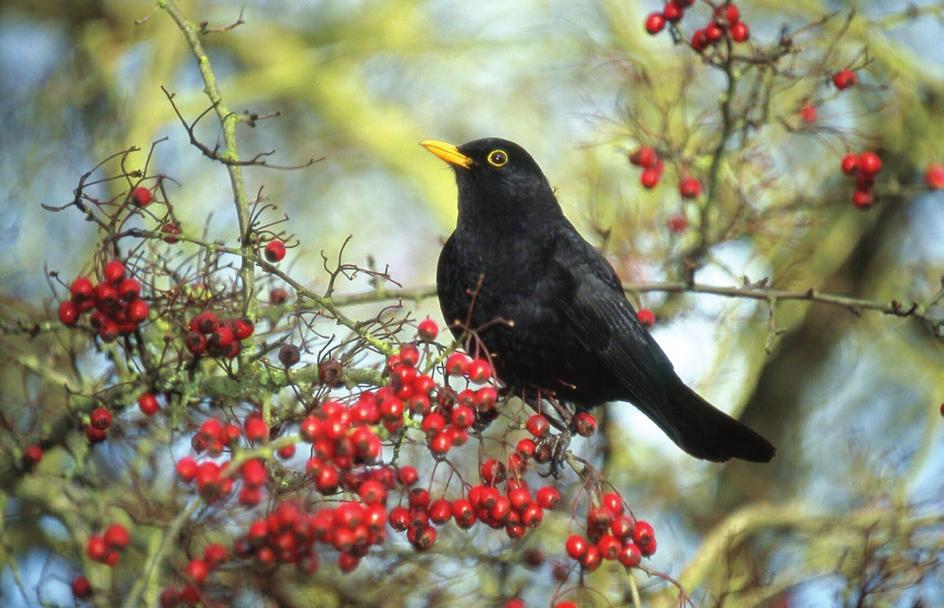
pixel 497 158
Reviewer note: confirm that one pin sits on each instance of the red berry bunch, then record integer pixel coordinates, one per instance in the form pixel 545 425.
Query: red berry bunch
pixel 116 300
pixel 612 534
pixel 864 167
pixel 341 438
pixel 209 335
pixel 843 79
pixel 726 21
pixel 934 176
pixel 107 548
pixel 651 164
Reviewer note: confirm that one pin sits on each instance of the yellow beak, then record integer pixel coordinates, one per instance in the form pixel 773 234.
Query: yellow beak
pixel 448 153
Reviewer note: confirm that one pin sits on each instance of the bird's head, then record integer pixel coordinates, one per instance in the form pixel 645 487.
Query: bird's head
pixel 497 180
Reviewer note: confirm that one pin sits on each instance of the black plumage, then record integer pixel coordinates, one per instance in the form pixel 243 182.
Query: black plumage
pixel 550 309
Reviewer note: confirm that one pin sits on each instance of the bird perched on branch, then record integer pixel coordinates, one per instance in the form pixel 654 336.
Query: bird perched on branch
pixel 551 311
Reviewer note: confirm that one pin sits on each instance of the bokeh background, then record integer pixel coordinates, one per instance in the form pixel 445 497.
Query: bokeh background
pixel 850 400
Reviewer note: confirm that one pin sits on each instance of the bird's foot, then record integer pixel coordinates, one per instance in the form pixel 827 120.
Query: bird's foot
pixel 557 447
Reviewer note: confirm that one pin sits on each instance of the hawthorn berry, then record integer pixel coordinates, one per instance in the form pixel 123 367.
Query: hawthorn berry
pixel 278 295
pixel 713 33
pixel 117 537
pixel 538 425
pixel 81 587
pixel 644 157
pixel 81 289
pixel 256 428
pixel 646 317
pixel 740 32
pixel 643 532
pixel 100 419
pixel 479 371
pixel 114 271
pixel 565 604
pixel 141 196
pixel 196 343
pixel 289 355
pixel 548 497
pixel 650 178
pixel 170 230
pixel 672 11
pixel 699 41
pixel 32 455
pixel 68 312
pixel 655 22
pixel 934 176
pixel 214 555
pixel 585 424
pixel 197 571
pixel 186 468
pixel 148 405
pixel 690 187
pixel 677 223
pixel 808 113
pixel 843 79
pixel 576 546
pixel 275 250
pixel 870 163
pixel 591 559
pixel 629 556
pixel 862 198
pixel 138 311
pixel 850 163
pixel 728 14
pixel 96 549
pixel 427 330
pixel 407 475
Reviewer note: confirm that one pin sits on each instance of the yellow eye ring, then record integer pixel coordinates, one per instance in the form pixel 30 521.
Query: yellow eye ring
pixel 497 158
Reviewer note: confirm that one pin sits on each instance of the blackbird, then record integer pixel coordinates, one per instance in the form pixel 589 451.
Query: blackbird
pixel 550 310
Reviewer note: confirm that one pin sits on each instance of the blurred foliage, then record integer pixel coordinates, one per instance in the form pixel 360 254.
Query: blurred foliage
pixel 849 399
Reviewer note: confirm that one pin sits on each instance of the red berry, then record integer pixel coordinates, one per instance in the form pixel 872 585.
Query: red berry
pixel 630 555
pixel 96 549
pixel 197 571
pixel 612 501
pixel 699 41
pixel 689 187
pixel 141 196
pixel 114 271
pixel 672 11
pixel 32 455
pixel 538 425
pixel 148 404
pixel 548 497
pixel 808 113
pixel 576 546
pixel 850 163
pixel 440 511
pixel 278 295
pixel 728 14
pixel 713 33
pixel 170 230
pixel 862 199
pixel 585 424
pixel 81 588
pixel 457 364
pixel 870 163
pixel 934 176
pixel 650 178
pixel 187 468
pixel 196 343
pixel 117 537
pixel 609 547
pixel 129 290
pixel 68 312
pixel 138 311
pixel 256 428
pixel 566 604
pixel 427 330
pixel 644 157
pixel 492 472
pixel 479 371
pixel 214 555
pixel 106 296
pixel 100 418
pixel 843 79
pixel 81 289
pixel 591 559
pixel 655 22
pixel 740 32
pixel 677 223
pixel 243 328
pixel 526 448
pixel 275 250
pixel 407 476
pixel 646 317
pixel 643 533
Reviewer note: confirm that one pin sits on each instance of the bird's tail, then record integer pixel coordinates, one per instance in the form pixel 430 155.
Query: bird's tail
pixel 706 432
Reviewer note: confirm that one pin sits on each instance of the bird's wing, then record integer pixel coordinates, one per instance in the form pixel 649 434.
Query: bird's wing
pixel 605 323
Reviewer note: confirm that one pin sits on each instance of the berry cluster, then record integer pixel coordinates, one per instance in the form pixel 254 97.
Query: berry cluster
pixel 612 534
pixel 726 21
pixel 196 571
pixel 116 300
pixel 651 164
pixel 342 438
pixel 864 167
pixel 209 335
pixel 107 548
pixel 672 13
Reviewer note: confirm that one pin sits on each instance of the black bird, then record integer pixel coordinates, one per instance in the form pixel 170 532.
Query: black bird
pixel 553 314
